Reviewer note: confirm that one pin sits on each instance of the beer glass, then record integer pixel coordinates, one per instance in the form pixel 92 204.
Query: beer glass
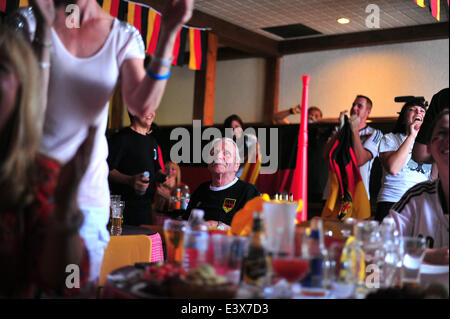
pixel 117 214
pixel 174 238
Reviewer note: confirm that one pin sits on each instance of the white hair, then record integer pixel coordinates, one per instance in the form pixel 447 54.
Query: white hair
pixel 227 139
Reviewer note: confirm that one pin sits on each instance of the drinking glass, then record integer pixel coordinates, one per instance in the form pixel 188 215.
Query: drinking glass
pixel 290 260
pixel 227 254
pixel 174 238
pixel 117 215
pixel 413 253
pixel 276 216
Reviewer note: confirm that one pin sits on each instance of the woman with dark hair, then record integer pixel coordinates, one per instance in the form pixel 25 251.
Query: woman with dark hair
pixel 400 171
pixel 247 143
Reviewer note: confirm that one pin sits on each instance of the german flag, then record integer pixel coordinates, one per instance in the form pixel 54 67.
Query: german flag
pixel 252 167
pixel 420 3
pixel 153 26
pixel 179 46
pixel 198 45
pixel 436 9
pixel 110 6
pixel 8 6
pixel 348 197
pixel 134 16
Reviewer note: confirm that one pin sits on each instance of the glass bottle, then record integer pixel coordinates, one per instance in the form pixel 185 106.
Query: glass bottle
pixel 177 204
pixel 313 283
pixel 255 265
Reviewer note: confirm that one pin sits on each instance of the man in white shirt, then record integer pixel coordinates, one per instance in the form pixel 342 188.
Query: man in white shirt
pixel 366 139
pixel 423 209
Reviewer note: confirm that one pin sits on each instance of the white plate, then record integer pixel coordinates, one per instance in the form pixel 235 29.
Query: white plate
pixel 433 269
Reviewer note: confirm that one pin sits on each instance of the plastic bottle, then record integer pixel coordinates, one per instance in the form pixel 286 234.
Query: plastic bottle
pixel 178 199
pixel 313 284
pixel 185 197
pixel 196 241
pixel 143 175
pixel 255 264
pixel 390 274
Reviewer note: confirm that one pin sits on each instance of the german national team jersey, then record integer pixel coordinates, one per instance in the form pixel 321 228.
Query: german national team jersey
pixel 221 204
pixel 370 139
pixel 422 212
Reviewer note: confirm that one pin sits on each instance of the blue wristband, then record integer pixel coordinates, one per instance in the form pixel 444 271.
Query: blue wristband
pixel 158 76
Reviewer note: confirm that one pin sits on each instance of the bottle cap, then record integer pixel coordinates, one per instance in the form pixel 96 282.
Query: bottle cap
pixel 197 213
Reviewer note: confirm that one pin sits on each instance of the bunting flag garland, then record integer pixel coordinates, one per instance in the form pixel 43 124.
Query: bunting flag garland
pixel 148 22
pixel 179 46
pixel 198 43
pixel 154 24
pixel 434 6
pixel 420 3
pixel 436 9
pixel 8 6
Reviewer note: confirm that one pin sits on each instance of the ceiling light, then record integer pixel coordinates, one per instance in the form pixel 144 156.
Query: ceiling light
pixel 343 20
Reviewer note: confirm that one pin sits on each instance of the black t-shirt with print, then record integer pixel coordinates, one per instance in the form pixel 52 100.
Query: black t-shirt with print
pixel 132 153
pixel 222 205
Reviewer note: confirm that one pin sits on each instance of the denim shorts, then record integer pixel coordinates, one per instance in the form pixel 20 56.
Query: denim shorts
pixel 96 237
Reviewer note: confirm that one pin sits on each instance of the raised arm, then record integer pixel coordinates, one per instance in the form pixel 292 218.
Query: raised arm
pixel 143 90
pixel 362 155
pixel 280 117
pixel 393 161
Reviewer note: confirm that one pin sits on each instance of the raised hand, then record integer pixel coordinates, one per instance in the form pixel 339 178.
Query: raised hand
pixel 354 122
pixel 44 11
pixel 414 128
pixel 139 182
pixel 176 13
pixel 341 118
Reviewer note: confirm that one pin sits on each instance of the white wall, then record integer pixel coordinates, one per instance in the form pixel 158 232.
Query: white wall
pixel 380 72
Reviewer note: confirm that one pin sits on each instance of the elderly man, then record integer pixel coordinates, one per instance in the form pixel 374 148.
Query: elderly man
pixel 366 139
pixel 225 194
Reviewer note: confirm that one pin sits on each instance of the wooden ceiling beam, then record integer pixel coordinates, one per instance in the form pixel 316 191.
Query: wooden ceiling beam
pixel 367 38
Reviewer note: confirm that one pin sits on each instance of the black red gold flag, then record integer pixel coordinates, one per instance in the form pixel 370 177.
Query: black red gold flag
pixel 420 3
pixel 8 6
pixel 198 43
pixel 436 9
pixel 252 167
pixel 153 26
pixel 179 47
pixel 348 196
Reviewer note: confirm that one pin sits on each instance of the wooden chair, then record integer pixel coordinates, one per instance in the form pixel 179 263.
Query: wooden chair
pixel 124 251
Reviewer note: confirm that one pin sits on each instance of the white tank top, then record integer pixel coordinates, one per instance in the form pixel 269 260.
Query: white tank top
pixel 79 91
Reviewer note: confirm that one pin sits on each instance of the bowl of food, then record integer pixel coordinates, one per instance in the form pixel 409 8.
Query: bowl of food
pixel 167 281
